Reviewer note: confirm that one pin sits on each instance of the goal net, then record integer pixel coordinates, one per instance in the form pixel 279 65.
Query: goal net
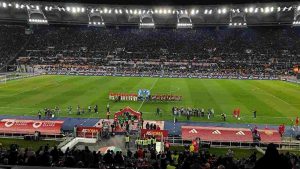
pixel 3 79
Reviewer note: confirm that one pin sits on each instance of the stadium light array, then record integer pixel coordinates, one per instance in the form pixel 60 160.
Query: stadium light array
pixel 296 23
pixel 134 11
pixel 184 25
pixel 49 8
pixel 147 25
pixel 287 8
pixel 235 10
pixel 38 21
pixel 237 24
pixel 96 24
pixel 222 11
pixel 194 11
pixel 118 11
pixel 208 11
pixel 75 9
pixel 4 5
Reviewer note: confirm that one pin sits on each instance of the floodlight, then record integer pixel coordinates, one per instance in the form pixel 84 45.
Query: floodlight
pixel 205 11
pixel 251 9
pixel 184 25
pixel 17 6
pixel 267 10
pixel 192 12
pixel 278 9
pixel 68 9
pixel 224 10
pixel 219 11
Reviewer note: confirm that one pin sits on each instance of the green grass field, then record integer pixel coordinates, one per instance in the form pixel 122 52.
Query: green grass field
pixel 275 101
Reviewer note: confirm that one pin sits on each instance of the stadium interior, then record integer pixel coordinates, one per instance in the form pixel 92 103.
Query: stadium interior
pixel 181 85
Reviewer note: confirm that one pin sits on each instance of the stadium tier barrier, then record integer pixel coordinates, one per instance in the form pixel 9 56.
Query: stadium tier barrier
pixel 199 76
pixel 283 145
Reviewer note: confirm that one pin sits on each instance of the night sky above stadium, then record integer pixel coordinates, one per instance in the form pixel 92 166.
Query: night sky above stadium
pixel 162 2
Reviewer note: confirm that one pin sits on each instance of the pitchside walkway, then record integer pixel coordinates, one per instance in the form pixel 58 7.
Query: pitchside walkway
pixel 69 124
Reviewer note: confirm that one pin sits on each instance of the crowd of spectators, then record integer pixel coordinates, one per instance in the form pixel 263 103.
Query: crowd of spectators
pixel 258 51
pixel 11 42
pixel 146 159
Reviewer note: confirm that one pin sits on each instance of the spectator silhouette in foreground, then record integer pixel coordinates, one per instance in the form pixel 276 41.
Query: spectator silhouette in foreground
pixel 272 159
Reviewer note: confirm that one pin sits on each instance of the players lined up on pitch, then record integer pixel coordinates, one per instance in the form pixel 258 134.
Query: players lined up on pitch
pixel 201 112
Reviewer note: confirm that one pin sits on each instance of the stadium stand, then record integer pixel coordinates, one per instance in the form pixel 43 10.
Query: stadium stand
pixel 142 158
pixel 201 52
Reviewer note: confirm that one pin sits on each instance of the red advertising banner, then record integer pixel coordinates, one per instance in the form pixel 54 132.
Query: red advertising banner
pixel 11 126
pixel 216 134
pixel 88 132
pixel 155 133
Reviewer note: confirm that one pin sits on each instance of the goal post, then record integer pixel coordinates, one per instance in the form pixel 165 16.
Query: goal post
pixel 3 79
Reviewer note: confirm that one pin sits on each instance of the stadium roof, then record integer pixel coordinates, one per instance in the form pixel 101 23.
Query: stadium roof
pixel 156 15
pixel 162 2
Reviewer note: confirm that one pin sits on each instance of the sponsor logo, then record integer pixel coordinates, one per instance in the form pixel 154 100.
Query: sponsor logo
pixel 194 131
pixel 89 130
pixel 154 133
pixel 9 123
pixel 37 124
pixel 269 133
pixel 216 132
pixel 240 133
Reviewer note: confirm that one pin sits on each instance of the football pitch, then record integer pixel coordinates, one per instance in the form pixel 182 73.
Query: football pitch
pixel 276 102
